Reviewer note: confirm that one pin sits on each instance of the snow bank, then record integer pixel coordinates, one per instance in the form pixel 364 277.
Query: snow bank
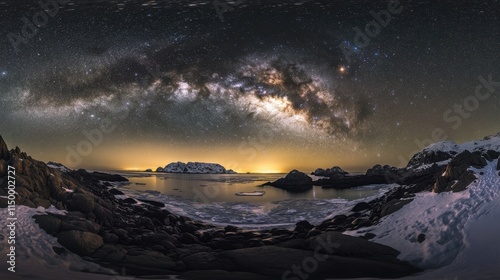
pixel 35 258
pixel 461 230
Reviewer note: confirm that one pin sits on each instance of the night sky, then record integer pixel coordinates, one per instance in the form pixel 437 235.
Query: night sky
pixel 255 87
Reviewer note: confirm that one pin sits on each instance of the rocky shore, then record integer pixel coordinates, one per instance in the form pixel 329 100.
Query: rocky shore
pixel 146 239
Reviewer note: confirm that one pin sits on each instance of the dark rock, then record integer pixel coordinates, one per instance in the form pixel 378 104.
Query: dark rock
pixel 110 253
pixel 80 242
pixel 4 150
pixel 187 228
pixel 148 258
pixel 369 236
pixel 81 202
pixel 58 250
pixel 295 181
pixel 80 225
pixel 115 192
pixel 313 232
pixel 154 203
pixel 346 245
pixel 498 164
pixel 231 228
pixel 256 260
pixel 379 170
pixel 360 207
pixel 421 238
pixel 305 224
pixel 187 250
pixel 221 275
pixel 351 181
pixel 493 154
pixel 4 202
pixel 129 200
pixel 463 182
pixel 393 206
pixel 335 171
pixel 429 157
pixel 189 238
pixel 49 223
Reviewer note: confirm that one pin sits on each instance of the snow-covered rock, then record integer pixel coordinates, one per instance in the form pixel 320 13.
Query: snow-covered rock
pixel 335 171
pixel 59 166
pixel 195 168
pixel 442 151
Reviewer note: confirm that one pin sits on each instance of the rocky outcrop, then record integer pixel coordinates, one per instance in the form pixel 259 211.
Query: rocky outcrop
pixel 332 251
pixel 4 151
pixel 456 176
pixel 294 181
pixel 350 181
pixel 379 170
pixel 335 171
pixel 195 168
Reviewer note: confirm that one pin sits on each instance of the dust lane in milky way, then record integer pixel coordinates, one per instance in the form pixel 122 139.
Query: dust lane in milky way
pixel 270 88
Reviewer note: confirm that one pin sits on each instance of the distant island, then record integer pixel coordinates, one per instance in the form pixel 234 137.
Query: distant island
pixel 195 168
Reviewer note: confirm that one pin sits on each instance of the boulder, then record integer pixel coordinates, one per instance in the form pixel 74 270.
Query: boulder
pixel 498 164
pixel 148 258
pixel 361 207
pixel 110 253
pixel 49 223
pixel 277 262
pixel 152 202
pixel 82 243
pixel 81 202
pixel 295 181
pixel 336 243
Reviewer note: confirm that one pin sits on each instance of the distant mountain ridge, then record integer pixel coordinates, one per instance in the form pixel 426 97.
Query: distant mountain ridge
pixel 195 168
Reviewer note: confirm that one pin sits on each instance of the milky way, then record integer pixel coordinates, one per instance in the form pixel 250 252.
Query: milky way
pixel 187 75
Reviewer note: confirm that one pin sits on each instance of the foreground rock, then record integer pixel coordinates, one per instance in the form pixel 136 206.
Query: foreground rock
pixel 457 177
pixel 295 181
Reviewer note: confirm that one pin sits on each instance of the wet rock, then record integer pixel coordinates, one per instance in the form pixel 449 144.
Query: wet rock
pixel 110 253
pixel 154 203
pixel 129 200
pixel 115 192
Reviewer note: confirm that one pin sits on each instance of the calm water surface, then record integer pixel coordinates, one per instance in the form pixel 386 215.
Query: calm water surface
pixel 222 187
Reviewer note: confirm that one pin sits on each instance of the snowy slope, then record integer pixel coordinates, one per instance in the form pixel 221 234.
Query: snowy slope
pixel 35 258
pixel 461 230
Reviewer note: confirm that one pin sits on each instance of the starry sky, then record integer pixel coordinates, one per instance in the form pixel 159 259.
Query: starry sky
pixel 257 86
